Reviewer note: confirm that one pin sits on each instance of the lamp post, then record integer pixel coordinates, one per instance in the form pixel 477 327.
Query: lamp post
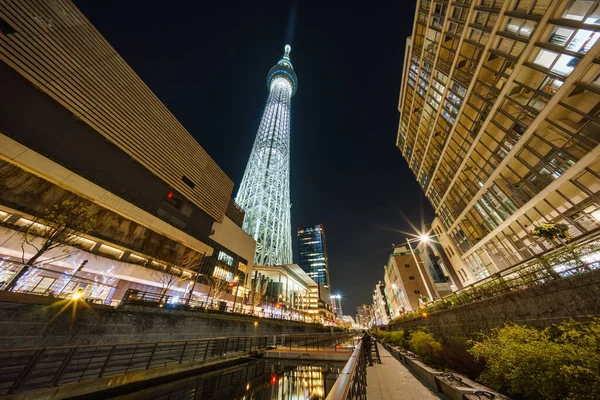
pixel 237 288
pixel 422 239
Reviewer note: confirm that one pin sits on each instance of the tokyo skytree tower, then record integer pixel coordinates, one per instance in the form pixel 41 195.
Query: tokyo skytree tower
pixel 265 190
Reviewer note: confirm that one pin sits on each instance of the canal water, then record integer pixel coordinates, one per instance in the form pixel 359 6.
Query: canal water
pixel 254 380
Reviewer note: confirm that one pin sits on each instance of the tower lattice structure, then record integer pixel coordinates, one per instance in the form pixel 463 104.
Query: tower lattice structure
pixel 265 190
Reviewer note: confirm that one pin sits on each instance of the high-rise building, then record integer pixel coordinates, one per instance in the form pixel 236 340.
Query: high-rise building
pixel 312 253
pixel 265 190
pixel 78 125
pixel 381 308
pixel 499 110
pixel 336 305
pixel 408 282
pixel 363 316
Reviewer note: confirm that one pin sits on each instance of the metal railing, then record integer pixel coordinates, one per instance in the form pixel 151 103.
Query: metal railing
pixel 315 342
pixel 150 299
pixel 352 381
pixel 28 369
pixel 499 284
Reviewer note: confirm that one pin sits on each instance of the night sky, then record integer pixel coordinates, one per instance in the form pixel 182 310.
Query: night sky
pixel 207 62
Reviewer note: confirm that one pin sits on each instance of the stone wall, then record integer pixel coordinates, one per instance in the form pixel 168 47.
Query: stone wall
pixel 576 297
pixel 32 325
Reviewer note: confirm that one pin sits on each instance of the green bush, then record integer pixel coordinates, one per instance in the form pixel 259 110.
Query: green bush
pixel 424 344
pixel 561 362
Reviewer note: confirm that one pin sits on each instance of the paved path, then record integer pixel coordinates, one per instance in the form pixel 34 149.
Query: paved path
pixel 393 380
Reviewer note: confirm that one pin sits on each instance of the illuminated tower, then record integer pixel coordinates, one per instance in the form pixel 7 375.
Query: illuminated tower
pixel 265 190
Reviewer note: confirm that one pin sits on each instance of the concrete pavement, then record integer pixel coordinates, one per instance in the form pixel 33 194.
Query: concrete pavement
pixel 392 380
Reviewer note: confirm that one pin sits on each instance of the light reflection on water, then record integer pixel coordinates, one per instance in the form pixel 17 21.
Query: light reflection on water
pixel 254 380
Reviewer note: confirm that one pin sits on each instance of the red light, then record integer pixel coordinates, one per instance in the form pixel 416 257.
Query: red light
pixel 277 305
pixel 273 379
pixel 170 195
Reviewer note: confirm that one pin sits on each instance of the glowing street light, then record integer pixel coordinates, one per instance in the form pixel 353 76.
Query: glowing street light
pixel 423 238
pixel 237 288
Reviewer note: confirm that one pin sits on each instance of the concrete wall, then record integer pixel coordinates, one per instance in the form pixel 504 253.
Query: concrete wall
pixel 229 235
pixel 576 297
pixel 28 325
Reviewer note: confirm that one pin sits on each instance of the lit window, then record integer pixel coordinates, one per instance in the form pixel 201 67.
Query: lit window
pixel 226 258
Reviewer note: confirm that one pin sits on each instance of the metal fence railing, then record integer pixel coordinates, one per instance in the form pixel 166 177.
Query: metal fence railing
pixel 319 342
pixel 23 370
pixel 150 299
pixel 352 382
pixel 28 369
pixel 496 285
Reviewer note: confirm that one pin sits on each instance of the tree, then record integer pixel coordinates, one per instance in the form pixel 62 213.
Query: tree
pixel 167 277
pixel 557 234
pixel 217 287
pixel 259 288
pixel 60 227
pixel 170 270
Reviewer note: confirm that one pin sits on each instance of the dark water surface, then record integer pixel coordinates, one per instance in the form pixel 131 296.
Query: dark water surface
pixel 254 380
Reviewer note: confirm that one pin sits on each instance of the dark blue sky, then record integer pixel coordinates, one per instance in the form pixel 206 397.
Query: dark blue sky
pixel 207 62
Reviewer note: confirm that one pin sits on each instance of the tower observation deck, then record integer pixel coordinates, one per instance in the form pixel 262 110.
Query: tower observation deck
pixel 265 190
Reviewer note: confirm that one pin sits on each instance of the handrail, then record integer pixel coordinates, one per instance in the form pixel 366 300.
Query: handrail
pixel 351 382
pixel 34 368
pixel 151 299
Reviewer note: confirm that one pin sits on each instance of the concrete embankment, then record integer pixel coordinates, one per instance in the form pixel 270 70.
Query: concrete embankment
pixel 34 325
pixel 575 297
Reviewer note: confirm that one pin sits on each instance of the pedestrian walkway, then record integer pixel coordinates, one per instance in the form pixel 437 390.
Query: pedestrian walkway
pixel 393 380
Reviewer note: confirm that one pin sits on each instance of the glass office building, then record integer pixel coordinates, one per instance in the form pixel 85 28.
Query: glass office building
pixel 312 253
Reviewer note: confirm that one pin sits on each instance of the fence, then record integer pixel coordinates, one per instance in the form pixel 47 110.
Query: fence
pixel 506 282
pixel 28 369
pixel 150 299
pixel 43 281
pixel 314 342
pixel 352 382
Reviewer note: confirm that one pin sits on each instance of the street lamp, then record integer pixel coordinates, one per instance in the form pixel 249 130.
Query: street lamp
pixel 424 238
pixel 237 288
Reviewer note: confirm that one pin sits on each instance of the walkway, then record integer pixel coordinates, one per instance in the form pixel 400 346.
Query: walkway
pixel 392 380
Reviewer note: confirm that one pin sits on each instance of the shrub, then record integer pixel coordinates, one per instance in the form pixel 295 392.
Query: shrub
pixel 561 362
pixel 424 345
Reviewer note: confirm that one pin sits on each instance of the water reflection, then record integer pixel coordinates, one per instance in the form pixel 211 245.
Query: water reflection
pixel 254 380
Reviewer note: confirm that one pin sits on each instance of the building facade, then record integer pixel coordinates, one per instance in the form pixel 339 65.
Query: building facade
pixel 363 316
pixel 312 253
pixel 265 190
pixel 407 283
pixel 499 123
pixel 336 305
pixel 77 125
pixel 287 292
pixel 381 308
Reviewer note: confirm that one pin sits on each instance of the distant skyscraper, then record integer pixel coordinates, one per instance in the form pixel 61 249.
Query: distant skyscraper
pixel 363 316
pixel 265 190
pixel 312 253
pixel 336 306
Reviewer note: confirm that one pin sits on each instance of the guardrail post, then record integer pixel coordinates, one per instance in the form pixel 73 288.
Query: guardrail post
pixel 183 352
pixel 26 371
pixel 110 353
pixel 62 367
pixel 206 351
pixel 151 355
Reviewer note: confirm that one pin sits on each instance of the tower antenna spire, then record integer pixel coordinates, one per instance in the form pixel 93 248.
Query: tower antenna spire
pixel 265 190
pixel 287 49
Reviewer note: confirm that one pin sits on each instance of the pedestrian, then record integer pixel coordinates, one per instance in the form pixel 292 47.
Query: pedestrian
pixel 366 342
